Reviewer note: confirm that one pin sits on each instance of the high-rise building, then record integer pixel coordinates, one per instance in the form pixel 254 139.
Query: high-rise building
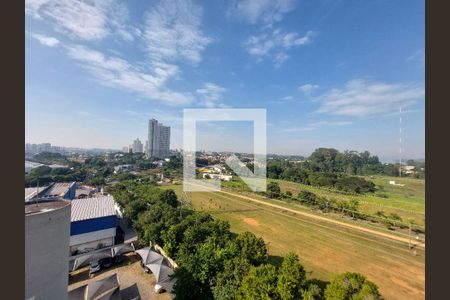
pixel 137 146
pixel 164 141
pixel 158 139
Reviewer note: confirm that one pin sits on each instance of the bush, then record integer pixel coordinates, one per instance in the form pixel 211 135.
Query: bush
pixel 307 197
pixel 351 286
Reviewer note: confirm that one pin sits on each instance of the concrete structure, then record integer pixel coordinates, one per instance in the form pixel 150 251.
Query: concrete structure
pixel 47 235
pixel 122 168
pixel 65 190
pixel 158 139
pixel 138 147
pixel 218 176
pixel 93 224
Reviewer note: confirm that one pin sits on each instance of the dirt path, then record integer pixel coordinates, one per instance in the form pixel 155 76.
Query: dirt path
pixel 316 217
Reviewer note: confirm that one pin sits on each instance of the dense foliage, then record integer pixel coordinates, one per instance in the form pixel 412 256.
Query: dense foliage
pixel 351 286
pixel 95 170
pixel 327 167
pixel 214 263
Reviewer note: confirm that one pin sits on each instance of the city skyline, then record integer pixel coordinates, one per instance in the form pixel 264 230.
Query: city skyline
pixel 330 74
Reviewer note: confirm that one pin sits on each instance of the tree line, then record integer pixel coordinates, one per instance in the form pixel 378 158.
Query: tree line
pixel 348 208
pixel 330 168
pixel 215 263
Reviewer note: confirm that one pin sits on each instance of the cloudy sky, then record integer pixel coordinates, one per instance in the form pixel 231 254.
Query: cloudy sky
pixel 330 73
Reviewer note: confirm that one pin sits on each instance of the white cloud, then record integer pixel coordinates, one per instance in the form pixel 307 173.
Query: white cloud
pixel 45 39
pixel 210 94
pixel 85 20
pixel 119 73
pixel 266 11
pixel 360 97
pixel 308 88
pixel 172 32
pixel 317 125
pixel 274 43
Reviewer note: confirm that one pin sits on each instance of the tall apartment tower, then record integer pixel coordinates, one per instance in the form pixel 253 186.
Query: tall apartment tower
pixel 158 139
pixel 137 146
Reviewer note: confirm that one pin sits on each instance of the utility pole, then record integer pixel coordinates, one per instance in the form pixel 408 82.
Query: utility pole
pixel 400 145
pixel 409 235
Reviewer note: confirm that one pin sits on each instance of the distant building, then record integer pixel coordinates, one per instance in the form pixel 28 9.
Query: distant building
pixel 125 149
pixel 137 146
pixel 93 224
pixel 122 168
pixel 64 190
pixel 158 139
pixel 146 147
pixel 218 176
pixel 47 235
pixel 37 148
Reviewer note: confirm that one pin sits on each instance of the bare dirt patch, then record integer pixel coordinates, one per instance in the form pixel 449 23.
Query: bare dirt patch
pixel 251 221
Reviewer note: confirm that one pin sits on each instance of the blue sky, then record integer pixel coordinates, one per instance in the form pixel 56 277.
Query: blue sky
pixel 330 73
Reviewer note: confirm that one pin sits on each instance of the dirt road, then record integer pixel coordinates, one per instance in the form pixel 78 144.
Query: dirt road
pixel 329 220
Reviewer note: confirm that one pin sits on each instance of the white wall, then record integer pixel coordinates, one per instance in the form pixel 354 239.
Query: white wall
pixel 92 239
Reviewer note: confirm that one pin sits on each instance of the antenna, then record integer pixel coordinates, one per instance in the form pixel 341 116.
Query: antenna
pixel 37 193
pixel 400 144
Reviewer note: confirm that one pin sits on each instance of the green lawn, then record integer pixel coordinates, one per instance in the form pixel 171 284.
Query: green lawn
pixel 407 201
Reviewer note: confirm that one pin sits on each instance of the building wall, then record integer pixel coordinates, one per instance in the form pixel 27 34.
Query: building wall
pixel 92 240
pixel 153 140
pixel 47 236
pixel 91 225
pixel 164 142
pixel 70 194
pixel 158 139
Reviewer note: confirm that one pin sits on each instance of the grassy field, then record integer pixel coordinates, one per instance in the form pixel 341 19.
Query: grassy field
pixel 407 201
pixel 324 249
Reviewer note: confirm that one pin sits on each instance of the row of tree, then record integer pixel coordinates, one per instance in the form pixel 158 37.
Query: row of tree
pixel 331 161
pixel 348 208
pixel 215 263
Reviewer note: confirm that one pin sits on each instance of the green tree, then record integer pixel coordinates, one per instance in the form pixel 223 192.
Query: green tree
pixel 312 292
pixel 40 171
pixel 169 197
pixel 187 287
pixel 324 160
pixel 273 190
pixel 252 248
pixel 351 286
pixel 152 222
pixel 259 284
pixel 291 277
pixel 307 197
pixel 229 280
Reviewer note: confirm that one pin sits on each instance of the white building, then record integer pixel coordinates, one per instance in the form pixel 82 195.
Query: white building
pixel 93 223
pixel 138 147
pixel 218 176
pixel 158 139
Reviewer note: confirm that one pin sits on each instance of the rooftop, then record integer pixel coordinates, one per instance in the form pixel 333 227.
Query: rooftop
pixel 91 208
pixel 58 189
pixel 44 206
